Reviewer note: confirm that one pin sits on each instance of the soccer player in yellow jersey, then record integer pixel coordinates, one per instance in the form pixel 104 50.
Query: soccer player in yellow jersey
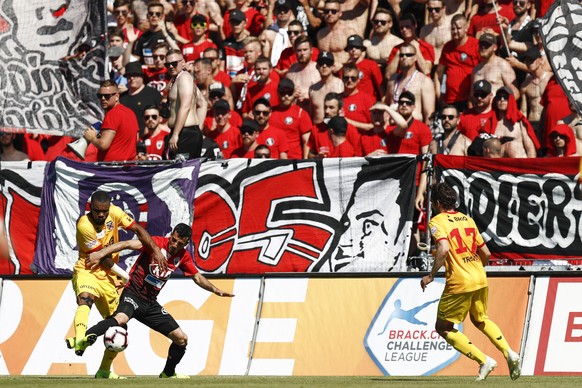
pixel 460 247
pixel 96 230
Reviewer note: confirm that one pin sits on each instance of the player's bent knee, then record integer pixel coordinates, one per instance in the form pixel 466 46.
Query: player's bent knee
pixel 86 300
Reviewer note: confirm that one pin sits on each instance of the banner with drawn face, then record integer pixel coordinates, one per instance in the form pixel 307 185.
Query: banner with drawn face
pixel 48 83
pixel 331 215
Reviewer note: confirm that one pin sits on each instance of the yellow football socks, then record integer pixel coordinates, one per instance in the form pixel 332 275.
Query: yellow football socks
pixel 460 342
pixel 108 357
pixel 81 321
pixel 493 332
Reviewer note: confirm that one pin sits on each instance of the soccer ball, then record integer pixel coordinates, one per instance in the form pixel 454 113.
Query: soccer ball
pixel 115 339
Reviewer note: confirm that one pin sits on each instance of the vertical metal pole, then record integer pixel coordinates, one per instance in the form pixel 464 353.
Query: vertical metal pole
pixel 257 322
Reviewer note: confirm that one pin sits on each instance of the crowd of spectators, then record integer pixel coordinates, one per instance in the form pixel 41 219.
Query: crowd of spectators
pixel 309 79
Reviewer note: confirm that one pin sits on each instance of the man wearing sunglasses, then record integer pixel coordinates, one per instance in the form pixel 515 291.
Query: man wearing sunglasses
pixel 269 135
pixel 493 68
pixel 409 78
pixel 249 131
pixel 188 109
pixel 329 84
pixel 357 104
pixel 381 40
pixel 371 81
pixel 124 17
pixel 451 141
pixel 184 20
pixel 118 137
pixel 438 31
pixel 199 41
pixel 157 33
pixel 155 133
pixel 333 37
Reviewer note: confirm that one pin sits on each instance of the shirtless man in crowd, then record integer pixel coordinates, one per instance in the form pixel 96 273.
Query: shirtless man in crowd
pixel 188 109
pixel 438 31
pixel 304 72
pixel 381 40
pixel 493 68
pixel 532 88
pixel 409 78
pixel 334 36
pixel 329 83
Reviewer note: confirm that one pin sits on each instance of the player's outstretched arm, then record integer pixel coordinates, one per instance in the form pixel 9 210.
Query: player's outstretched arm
pixel 201 281
pixel 150 245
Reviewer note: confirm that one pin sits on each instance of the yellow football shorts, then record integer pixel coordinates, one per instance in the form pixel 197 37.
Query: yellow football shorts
pixel 107 297
pixel 454 307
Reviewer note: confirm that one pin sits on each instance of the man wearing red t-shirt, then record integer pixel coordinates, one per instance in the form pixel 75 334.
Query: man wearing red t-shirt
pixel 264 85
pixel 194 49
pixel 139 298
pixel 219 129
pixel 458 58
pixel 255 21
pixel 356 103
pixel 413 139
pixel 288 56
pixel 480 118
pixel 249 131
pixel 486 18
pixel 375 142
pixel 272 137
pixel 154 134
pixel 320 143
pixel 371 81
pixel 338 128
pixel 118 140
pixel 292 119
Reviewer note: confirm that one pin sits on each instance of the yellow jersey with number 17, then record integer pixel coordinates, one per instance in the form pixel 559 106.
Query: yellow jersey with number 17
pixel 463 266
pixel 92 237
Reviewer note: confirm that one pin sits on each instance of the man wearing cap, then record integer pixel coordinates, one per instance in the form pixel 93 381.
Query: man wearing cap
pixel 370 75
pixel 375 141
pixel 142 48
pixel 269 135
pixel 333 36
pixel 533 87
pixel 381 41
pixel 288 57
pixel 409 78
pixel 304 72
pixel 320 144
pixel 118 136
pixel 222 132
pixel 356 104
pixel 293 120
pixel 115 54
pixel 492 68
pixel 424 51
pixel 458 58
pixel 157 75
pixel 199 42
pixel 276 33
pixel 234 43
pixel 188 109
pixel 264 86
pixel 138 94
pixel 249 131
pixel 329 84
pixel 216 91
pixel 254 20
pixel 480 118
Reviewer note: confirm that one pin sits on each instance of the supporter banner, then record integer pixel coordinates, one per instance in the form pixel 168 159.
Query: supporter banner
pixel 21 185
pixel 48 85
pixel 554 337
pixel 560 32
pixel 324 326
pixel 525 210
pixel 330 215
pixel 156 197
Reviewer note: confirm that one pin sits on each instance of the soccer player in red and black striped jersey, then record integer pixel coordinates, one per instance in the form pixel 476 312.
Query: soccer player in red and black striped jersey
pixel 146 279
